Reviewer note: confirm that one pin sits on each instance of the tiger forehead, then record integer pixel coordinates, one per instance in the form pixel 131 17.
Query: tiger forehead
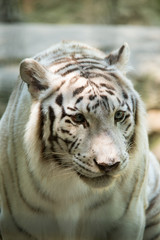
pixel 92 97
pixel 88 78
pixel 93 88
pixel 77 62
pixel 92 68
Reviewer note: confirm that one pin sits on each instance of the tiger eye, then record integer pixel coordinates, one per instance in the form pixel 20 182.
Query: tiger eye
pixel 78 118
pixel 119 116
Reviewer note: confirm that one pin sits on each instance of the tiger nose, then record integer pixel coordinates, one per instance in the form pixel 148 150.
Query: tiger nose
pixel 106 167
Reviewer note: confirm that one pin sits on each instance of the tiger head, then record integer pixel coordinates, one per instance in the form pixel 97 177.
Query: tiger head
pixel 84 113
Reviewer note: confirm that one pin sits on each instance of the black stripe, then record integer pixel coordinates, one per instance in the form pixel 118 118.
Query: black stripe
pixel 48 96
pixel 97 75
pixel 92 97
pixel 28 205
pixel 131 196
pixel 125 118
pixel 105 98
pixel 97 86
pixel 99 203
pixel 52 119
pixel 125 95
pixel 128 127
pixel 151 204
pixel 118 100
pixel 94 67
pixel 83 167
pixel 37 84
pixel 68 121
pixel 65 131
pixel 85 57
pixel 66 141
pixel 64 67
pixel 114 75
pixel 78 90
pixel 133 104
pixel 60 60
pixel 85 74
pixel 41 122
pixel 123 103
pixel 85 124
pixel 153 223
pixel 132 141
pixel 72 145
pixel 96 105
pixel 113 107
pixel 58 88
pixel 53 138
pixel 110 92
pixel 37 187
pixel 79 99
pixel 156 237
pixel 57 159
pixel 91 62
pixel 136 112
pixel 59 99
pixel 19 228
pixel 63 113
pixel 82 66
pixel 72 109
pixel 105 106
pixel 70 71
pixel 107 86
pixel 42 119
pixel 120 52
pixel 128 107
pixel 88 108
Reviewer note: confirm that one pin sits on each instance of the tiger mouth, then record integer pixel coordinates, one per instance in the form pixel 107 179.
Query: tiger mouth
pixel 101 178
pixel 98 181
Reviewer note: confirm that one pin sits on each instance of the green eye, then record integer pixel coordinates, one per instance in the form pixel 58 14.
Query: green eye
pixel 78 118
pixel 119 116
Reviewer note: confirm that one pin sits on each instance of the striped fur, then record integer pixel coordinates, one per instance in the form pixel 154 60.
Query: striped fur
pixel 74 156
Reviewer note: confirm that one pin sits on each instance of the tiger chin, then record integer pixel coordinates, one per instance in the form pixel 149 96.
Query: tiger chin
pixel 74 156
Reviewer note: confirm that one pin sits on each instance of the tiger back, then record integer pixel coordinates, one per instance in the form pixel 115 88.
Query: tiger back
pixel 74 157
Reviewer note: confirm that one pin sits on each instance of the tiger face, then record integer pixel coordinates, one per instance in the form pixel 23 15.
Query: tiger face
pixel 88 112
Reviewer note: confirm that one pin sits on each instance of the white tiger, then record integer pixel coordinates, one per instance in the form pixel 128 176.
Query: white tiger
pixel 74 156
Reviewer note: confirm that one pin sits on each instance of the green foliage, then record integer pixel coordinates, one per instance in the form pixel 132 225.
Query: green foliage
pixel 143 12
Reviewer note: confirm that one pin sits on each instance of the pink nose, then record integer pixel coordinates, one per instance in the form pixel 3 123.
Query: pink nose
pixel 106 167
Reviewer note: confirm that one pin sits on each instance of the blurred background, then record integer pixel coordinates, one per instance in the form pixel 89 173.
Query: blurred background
pixel 30 26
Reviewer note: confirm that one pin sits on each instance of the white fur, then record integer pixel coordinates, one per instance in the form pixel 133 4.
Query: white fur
pixel 69 208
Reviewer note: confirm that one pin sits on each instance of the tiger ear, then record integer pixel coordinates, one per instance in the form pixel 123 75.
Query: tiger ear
pixel 35 75
pixel 119 57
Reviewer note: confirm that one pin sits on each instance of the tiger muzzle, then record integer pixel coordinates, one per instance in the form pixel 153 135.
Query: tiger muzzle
pixel 107 167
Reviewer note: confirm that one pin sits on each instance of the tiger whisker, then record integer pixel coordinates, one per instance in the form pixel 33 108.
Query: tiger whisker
pixel 50 155
pixel 59 153
pixel 65 172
